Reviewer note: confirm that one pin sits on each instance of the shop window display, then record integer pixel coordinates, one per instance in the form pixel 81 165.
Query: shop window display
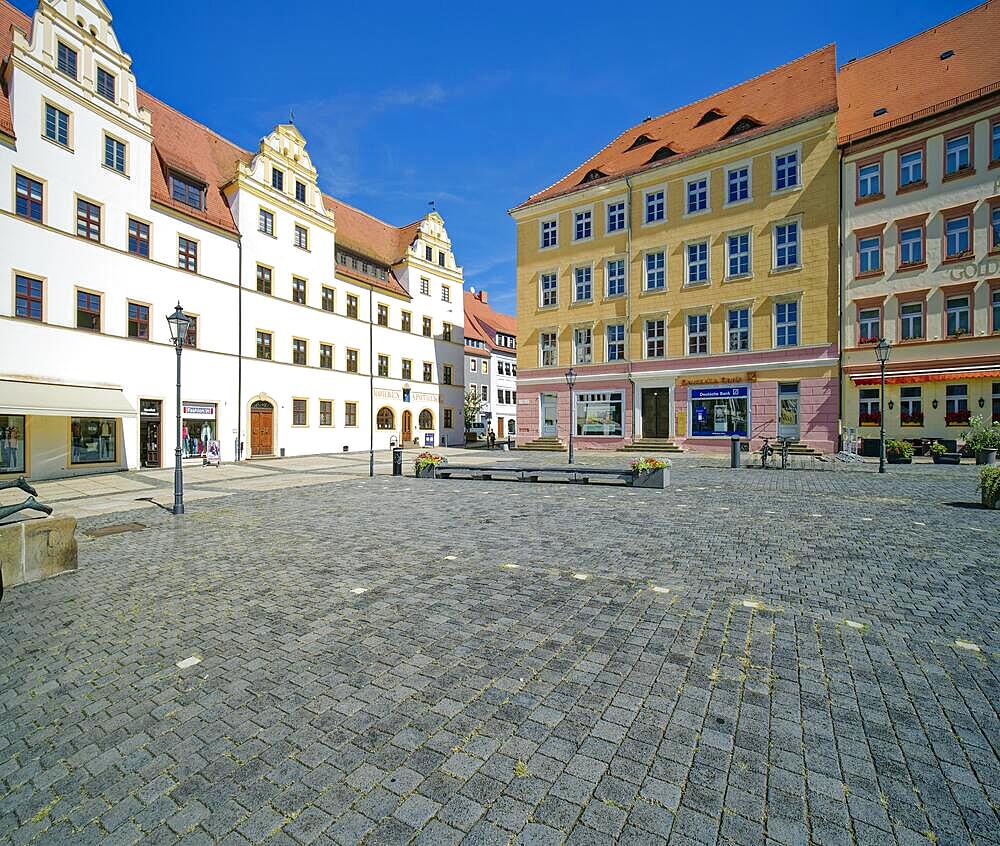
pixel 93 440
pixel 198 428
pixel 11 443
pixel 600 414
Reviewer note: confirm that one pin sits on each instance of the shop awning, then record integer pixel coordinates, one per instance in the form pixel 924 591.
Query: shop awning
pixel 915 378
pixel 53 400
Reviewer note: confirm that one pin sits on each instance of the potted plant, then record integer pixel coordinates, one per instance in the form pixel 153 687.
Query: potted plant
pixel 914 419
pixel 989 486
pixel 426 463
pixel 899 452
pixel 869 418
pixel 983 440
pixel 940 454
pixel 650 473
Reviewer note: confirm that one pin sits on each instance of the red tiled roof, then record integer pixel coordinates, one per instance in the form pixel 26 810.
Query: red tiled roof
pixel 183 144
pixel 369 236
pixel 911 76
pixel 803 88
pixel 390 283
pixel 483 323
pixel 9 17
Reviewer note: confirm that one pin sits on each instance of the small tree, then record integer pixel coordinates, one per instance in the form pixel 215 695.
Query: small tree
pixel 473 408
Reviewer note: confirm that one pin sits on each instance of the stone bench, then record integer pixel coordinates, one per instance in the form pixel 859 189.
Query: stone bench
pixel 31 550
pixel 572 474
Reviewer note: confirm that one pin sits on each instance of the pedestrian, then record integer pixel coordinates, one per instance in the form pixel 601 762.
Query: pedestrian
pixel 491 438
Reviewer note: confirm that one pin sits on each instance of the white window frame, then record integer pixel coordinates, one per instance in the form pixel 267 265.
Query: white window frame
pixel 645 269
pixel 736 234
pixel 589 345
pixel 731 307
pixel 607 276
pixel 774 244
pixel 698 313
pixel 645 336
pixel 541 348
pixel 688 182
pixel 922 153
pixel 590 270
pixel 541 289
pixel 747 164
pixel 866 181
pixel 784 151
pixel 708 262
pixel 798 322
pixel 623 342
pixel 646 193
pixel 583 210
pixel 541 233
pixel 607 214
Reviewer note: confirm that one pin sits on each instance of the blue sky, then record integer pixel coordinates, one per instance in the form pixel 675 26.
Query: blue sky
pixel 403 103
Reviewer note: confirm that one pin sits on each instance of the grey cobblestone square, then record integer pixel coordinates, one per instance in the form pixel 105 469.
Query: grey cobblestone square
pixel 729 668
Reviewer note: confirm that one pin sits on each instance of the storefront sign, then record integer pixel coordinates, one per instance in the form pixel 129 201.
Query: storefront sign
pixel 720 393
pixel 719 380
pixel 386 393
pixel 420 396
pixel 214 454
pixel 203 411
pixel 428 439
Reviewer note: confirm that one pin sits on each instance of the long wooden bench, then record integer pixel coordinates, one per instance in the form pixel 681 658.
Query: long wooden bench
pixel 576 475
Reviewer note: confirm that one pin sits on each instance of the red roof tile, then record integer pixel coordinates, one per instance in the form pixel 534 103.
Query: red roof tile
pixel 798 90
pixel 9 18
pixel 362 233
pixel 483 323
pixel 911 76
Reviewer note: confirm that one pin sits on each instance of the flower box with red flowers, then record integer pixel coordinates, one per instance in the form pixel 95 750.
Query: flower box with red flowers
pixel 957 418
pixel 916 419
pixel 868 341
pixel 870 418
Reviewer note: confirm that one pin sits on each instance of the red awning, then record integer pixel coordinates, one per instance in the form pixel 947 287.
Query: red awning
pixel 915 378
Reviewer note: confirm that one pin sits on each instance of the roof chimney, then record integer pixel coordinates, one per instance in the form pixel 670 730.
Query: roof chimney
pixel 482 296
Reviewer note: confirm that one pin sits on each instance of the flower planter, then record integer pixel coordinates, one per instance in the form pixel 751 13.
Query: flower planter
pixel 948 458
pixel 425 472
pixel 657 479
pixel 898 459
pixel 986 456
pixel 986 504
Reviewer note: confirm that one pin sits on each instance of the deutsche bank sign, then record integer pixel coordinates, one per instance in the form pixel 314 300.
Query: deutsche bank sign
pixel 721 392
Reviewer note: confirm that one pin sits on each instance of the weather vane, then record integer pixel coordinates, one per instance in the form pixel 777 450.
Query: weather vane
pixel 431 204
pixel 291 116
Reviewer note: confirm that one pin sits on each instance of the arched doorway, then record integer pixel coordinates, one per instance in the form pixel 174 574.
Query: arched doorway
pixel 261 428
pixel 407 426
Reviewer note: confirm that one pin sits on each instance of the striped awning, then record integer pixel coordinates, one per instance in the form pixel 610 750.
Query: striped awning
pixel 915 378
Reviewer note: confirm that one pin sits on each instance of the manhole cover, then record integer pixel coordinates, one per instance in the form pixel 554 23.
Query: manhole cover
pixel 114 529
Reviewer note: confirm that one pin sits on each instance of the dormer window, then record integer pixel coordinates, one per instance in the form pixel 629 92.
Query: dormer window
pixel 66 60
pixel 664 152
pixel 441 258
pixel 187 191
pixel 300 191
pixel 639 142
pixel 106 84
pixel 744 124
pixel 277 179
pixel 592 175
pixel 709 116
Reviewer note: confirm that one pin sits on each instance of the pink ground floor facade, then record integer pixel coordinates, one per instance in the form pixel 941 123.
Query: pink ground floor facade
pixel 699 405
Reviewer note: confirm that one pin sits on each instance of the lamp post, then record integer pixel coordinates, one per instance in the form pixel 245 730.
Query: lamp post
pixel 179 323
pixel 571 381
pixel 882 350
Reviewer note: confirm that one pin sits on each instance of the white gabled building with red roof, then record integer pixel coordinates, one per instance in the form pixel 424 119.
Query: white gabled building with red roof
pixel 491 364
pixel 319 328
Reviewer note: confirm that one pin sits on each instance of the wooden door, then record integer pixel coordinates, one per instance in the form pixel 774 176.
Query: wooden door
pixel 656 412
pixel 261 429
pixel 499 427
pixel 407 427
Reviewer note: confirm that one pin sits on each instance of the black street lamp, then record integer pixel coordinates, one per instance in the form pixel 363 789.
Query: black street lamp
pixel 571 381
pixel 882 350
pixel 179 323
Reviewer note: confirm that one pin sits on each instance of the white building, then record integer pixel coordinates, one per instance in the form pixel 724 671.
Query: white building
pixel 318 327
pixel 491 362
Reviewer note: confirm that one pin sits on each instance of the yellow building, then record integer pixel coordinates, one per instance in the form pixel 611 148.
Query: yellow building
pixel 688 273
pixel 920 137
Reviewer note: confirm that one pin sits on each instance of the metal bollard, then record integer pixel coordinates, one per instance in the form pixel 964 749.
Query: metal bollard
pixel 734 452
pixel 397 461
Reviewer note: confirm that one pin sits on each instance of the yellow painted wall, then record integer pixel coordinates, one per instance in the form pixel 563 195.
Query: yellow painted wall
pixel 817 202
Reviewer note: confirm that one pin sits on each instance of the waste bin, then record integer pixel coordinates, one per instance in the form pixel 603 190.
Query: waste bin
pixel 397 461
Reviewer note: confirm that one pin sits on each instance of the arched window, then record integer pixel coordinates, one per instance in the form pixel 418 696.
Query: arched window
pixel 426 419
pixel 384 419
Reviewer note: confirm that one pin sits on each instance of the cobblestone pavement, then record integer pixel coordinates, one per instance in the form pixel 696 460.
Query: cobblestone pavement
pixel 747 657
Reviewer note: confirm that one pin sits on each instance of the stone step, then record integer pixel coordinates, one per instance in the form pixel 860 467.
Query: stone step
pixel 547 444
pixel 652 445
